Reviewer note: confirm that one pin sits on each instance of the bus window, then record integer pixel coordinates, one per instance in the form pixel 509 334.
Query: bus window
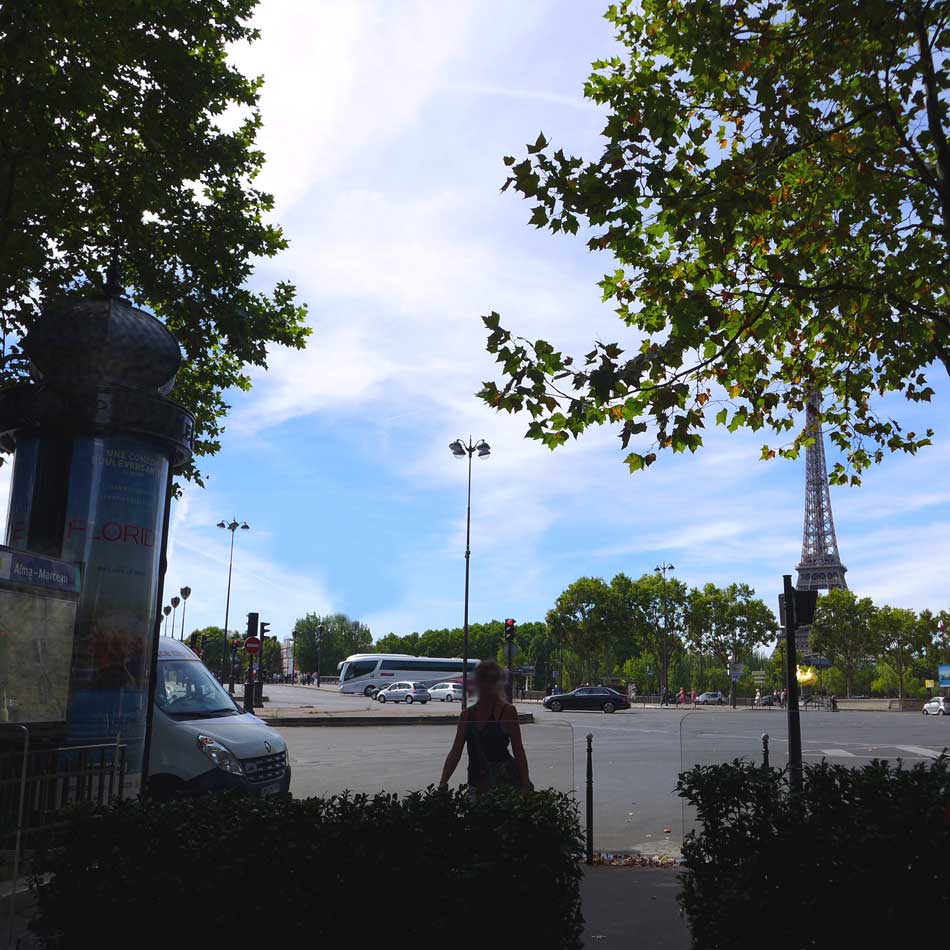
pixel 359 668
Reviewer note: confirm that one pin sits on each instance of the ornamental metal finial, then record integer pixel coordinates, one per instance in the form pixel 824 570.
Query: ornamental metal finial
pixel 113 285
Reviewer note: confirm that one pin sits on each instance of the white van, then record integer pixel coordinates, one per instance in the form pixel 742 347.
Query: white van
pixel 202 741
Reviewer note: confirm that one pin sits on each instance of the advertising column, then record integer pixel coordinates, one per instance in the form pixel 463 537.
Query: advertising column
pixel 95 439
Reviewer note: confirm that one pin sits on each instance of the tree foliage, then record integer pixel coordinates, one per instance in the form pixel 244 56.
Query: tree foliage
pixel 842 631
pixel 774 186
pixel 341 637
pixel 583 621
pixel 115 145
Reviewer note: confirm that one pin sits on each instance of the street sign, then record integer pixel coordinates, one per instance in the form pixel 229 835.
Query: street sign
pixel 735 677
pixel 252 645
pixel 758 676
pixel 737 669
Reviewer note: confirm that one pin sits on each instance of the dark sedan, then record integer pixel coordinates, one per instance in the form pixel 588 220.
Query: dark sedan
pixel 588 697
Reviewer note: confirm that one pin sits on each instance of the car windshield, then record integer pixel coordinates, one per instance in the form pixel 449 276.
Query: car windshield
pixel 186 690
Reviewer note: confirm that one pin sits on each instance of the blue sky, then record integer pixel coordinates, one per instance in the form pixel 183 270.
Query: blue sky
pixel 384 126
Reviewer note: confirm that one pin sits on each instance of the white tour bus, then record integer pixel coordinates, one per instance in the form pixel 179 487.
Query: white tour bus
pixel 365 672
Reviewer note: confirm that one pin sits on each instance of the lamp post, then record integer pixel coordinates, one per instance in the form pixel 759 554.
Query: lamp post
pixel 185 594
pixel 321 630
pixel 231 526
pixel 662 569
pixel 460 449
pixel 175 601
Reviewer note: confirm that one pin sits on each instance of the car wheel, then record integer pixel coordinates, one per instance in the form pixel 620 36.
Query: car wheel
pixel 408 699
pixel 556 706
pixel 924 711
pixel 368 691
pixel 423 701
pixel 940 712
pixel 447 699
pixel 609 707
pixel 381 698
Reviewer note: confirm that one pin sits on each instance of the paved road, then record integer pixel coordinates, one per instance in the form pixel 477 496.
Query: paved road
pixel 637 756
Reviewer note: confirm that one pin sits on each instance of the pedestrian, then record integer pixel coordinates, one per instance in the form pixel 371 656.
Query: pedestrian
pixel 487 728
pixel 758 698
pixel 693 696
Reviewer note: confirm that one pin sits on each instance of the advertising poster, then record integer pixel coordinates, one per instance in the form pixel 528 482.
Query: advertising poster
pixel 943 674
pixel 113 526
pixel 38 600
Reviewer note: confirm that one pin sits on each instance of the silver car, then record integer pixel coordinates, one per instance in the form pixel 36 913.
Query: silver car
pixel 447 692
pixel 938 706
pixel 403 692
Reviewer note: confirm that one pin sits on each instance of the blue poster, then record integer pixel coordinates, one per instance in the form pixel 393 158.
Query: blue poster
pixel 943 674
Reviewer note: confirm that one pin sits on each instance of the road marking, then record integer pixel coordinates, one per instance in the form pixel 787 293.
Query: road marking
pixel 919 750
pixel 838 753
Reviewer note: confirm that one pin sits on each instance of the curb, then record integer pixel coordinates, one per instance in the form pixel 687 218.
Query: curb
pixel 303 721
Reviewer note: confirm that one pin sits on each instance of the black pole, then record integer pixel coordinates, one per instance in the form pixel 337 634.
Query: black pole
pixel 791 668
pixel 765 750
pixel 153 665
pixel 227 604
pixel 468 553
pixel 590 799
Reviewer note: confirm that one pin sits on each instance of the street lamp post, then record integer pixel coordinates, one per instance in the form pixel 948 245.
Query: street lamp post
pixel 231 526
pixel 662 569
pixel 460 449
pixel 185 594
pixel 321 630
pixel 175 601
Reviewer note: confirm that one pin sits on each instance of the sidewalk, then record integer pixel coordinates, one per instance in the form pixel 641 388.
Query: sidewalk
pixel 626 907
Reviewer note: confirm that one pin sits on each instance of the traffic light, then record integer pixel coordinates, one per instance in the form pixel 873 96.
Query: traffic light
pixel 204 641
pixel 252 619
pixel 265 626
pixel 509 629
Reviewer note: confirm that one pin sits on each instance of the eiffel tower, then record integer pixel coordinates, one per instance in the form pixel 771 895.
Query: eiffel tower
pixel 820 567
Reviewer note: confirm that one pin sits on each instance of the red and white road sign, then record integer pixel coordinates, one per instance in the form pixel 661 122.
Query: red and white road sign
pixel 252 645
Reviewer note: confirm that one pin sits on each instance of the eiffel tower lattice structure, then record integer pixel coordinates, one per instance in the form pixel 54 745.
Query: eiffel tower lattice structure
pixel 820 567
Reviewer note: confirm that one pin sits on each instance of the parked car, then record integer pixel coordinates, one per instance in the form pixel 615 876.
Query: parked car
pixel 712 698
pixel 767 699
pixel 404 692
pixel 447 692
pixel 587 697
pixel 938 706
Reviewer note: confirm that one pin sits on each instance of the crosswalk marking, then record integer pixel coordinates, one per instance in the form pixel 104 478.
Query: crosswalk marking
pixel 838 753
pixel 919 750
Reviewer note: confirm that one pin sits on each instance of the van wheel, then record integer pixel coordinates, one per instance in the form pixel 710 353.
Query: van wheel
pixel 609 707
pixel 368 691
pixel 409 699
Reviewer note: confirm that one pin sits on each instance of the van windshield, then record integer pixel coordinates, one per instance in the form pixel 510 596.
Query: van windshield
pixel 186 690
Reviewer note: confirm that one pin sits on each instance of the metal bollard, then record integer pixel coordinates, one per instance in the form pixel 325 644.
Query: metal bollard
pixel 590 799
pixel 765 750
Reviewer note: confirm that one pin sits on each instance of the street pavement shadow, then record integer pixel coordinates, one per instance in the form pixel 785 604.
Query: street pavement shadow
pixel 623 905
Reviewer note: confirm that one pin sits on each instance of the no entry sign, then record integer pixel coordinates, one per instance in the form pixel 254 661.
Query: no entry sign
pixel 252 645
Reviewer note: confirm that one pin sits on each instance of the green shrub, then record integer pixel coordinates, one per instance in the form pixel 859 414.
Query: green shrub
pixel 432 866
pixel 861 858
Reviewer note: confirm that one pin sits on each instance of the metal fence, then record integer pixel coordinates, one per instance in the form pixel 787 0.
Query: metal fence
pixel 37 783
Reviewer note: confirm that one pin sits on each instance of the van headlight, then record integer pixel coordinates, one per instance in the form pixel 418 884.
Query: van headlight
pixel 222 757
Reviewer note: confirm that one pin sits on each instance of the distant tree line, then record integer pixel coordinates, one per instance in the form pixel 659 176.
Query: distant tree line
pixel 659 633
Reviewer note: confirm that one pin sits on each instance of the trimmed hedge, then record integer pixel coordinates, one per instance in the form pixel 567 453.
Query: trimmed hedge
pixel 432 867
pixel 861 859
